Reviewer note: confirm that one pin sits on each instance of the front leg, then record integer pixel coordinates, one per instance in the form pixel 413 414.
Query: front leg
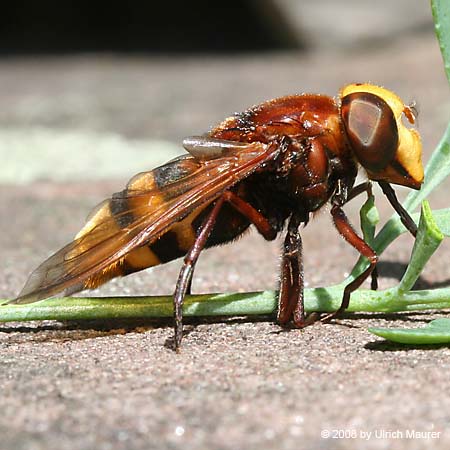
pixel 406 219
pixel 349 234
pixel 355 191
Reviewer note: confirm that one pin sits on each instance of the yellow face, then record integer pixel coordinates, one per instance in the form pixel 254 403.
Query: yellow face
pixel 387 149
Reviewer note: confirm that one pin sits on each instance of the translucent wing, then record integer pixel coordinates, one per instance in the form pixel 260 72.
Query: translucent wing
pixel 167 198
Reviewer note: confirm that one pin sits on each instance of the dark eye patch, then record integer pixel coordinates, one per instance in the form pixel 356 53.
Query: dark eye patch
pixel 371 129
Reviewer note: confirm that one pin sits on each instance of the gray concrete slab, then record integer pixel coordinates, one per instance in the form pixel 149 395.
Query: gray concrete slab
pixel 238 383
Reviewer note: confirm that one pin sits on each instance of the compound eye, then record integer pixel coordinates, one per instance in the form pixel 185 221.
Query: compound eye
pixel 371 129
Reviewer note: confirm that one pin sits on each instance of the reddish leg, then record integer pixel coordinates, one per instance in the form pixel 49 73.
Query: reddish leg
pixel 357 190
pixel 185 276
pixel 348 233
pixel 290 303
pixel 290 300
pixel 404 215
pixel 290 297
pixel 253 215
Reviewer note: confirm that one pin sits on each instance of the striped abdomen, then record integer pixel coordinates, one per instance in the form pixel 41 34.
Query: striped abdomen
pixel 123 209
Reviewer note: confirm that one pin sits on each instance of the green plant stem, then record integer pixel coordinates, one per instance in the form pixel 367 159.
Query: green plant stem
pixel 369 218
pixel 253 303
pixel 317 299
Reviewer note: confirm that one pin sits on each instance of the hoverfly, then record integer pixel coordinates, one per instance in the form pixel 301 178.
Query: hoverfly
pixel 270 166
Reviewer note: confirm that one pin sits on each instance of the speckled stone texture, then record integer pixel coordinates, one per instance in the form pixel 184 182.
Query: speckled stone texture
pixel 238 383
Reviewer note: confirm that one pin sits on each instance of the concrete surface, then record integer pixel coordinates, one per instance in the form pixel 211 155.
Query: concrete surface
pixel 238 383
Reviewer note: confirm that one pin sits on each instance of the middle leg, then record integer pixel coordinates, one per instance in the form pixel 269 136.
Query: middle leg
pixel 184 282
pixel 253 215
pixel 290 300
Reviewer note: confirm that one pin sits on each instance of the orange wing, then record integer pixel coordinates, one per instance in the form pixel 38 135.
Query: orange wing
pixel 104 244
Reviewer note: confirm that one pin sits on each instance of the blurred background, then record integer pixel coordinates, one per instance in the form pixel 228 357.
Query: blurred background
pixel 103 89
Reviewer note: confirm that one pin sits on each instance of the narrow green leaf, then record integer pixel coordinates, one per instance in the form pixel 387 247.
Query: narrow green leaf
pixel 441 16
pixel 427 241
pixel 436 332
pixel 438 167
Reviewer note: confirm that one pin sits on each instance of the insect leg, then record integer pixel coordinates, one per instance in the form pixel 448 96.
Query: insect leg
pixel 290 299
pixel 256 218
pixel 291 283
pixel 189 262
pixel 406 219
pixel 290 302
pixel 357 190
pixel 189 286
pixel 348 233
pixel 374 279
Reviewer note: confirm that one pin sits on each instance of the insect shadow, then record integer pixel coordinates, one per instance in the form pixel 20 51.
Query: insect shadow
pixel 74 330
pixel 387 346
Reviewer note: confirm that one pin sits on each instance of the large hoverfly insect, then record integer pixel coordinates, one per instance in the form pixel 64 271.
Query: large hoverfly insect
pixel 271 167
